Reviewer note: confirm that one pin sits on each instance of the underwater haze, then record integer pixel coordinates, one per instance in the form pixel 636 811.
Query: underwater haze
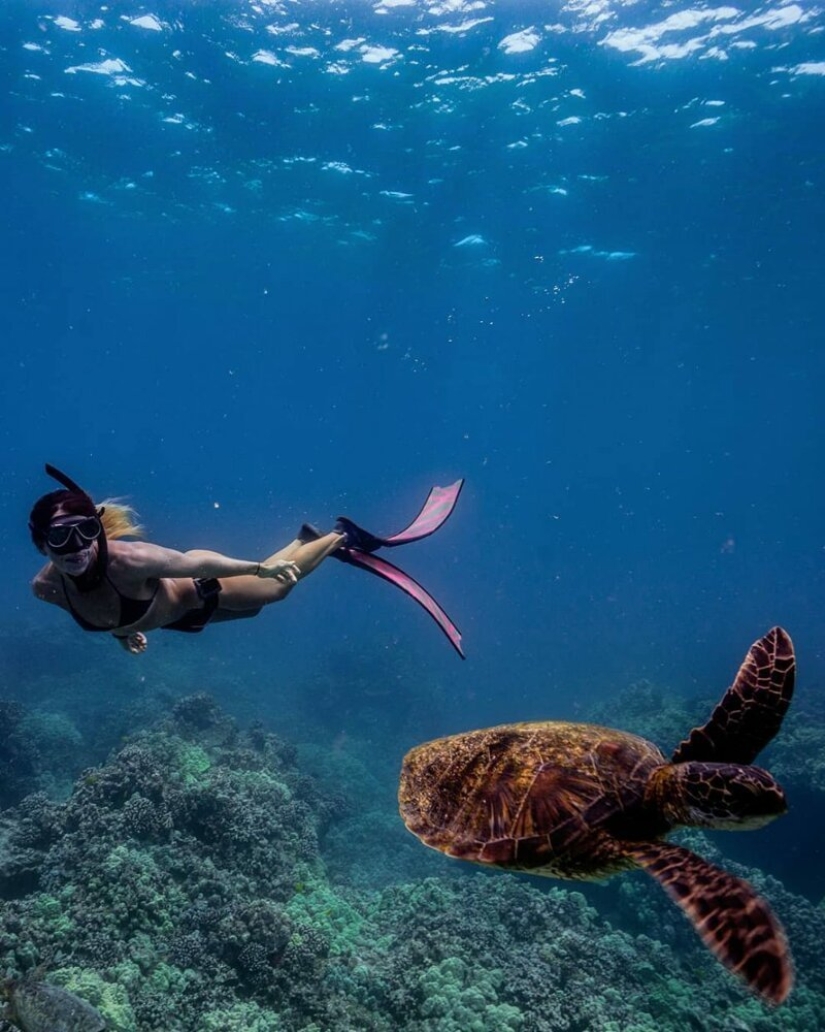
pixel 275 261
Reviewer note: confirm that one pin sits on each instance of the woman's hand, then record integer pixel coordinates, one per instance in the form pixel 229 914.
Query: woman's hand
pixel 282 570
pixel 134 643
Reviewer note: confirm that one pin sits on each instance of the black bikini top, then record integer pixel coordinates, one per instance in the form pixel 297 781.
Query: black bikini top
pixel 131 609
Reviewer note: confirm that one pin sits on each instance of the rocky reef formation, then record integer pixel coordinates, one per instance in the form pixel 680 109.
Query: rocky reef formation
pixel 182 886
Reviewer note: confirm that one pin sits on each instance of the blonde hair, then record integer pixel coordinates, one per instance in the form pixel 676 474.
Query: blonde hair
pixel 119 520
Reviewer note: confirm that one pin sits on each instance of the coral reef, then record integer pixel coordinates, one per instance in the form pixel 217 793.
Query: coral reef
pixel 42 750
pixel 797 756
pixel 653 712
pixel 18 771
pixel 183 886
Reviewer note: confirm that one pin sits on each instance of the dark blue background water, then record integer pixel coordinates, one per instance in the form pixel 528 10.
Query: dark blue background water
pixel 244 294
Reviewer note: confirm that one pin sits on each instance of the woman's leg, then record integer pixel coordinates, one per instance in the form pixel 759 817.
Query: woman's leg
pixel 286 551
pixel 252 592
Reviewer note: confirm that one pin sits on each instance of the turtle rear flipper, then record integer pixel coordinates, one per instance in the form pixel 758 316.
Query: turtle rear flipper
pixel 751 710
pixel 734 922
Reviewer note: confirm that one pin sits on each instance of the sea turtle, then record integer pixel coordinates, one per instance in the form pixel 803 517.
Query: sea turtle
pixel 582 801
pixel 35 1005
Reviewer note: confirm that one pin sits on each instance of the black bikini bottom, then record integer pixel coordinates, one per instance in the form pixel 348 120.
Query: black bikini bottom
pixel 193 621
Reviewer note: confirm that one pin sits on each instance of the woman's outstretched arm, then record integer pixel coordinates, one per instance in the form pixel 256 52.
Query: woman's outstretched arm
pixel 142 559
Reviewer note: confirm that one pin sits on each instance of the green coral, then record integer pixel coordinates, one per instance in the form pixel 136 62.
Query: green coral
pixel 109 998
pixel 192 763
pixel 50 921
pixel 50 910
pixel 460 998
pixel 315 905
pixel 151 898
pixel 242 1017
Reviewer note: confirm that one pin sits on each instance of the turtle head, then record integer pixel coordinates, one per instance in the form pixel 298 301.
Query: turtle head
pixel 726 796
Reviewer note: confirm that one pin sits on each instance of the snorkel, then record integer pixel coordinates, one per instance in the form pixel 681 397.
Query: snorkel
pixel 82 504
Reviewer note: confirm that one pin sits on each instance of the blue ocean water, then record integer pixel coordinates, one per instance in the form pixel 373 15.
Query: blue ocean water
pixel 270 262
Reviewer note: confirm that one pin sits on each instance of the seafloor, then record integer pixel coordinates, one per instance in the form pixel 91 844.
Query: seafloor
pixel 188 871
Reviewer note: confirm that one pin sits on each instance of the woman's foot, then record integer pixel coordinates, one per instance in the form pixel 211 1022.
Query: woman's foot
pixel 308 533
pixel 356 537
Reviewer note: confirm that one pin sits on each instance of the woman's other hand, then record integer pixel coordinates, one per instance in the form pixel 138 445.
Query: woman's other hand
pixel 134 643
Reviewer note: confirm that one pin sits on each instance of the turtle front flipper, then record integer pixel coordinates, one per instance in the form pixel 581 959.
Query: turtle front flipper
pixel 734 922
pixel 751 710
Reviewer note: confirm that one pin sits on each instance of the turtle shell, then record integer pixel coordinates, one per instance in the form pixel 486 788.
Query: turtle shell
pixel 550 797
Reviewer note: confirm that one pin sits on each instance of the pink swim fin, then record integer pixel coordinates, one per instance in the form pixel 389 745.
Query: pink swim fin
pixel 381 568
pixel 362 543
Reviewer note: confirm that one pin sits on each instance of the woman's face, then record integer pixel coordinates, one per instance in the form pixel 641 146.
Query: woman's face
pixel 73 564
pixel 78 543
